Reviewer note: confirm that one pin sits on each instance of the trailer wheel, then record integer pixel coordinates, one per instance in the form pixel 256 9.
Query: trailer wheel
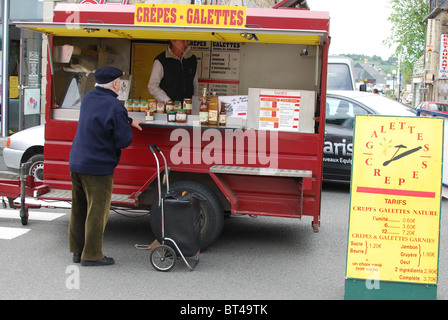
pixel 212 213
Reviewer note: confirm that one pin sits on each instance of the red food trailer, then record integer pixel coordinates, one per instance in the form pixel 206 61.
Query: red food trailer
pixel 268 66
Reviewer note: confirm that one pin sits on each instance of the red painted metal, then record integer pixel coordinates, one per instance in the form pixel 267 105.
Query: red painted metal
pixel 265 18
pixel 259 195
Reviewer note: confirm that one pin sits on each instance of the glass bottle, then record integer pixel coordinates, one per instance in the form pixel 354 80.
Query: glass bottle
pixel 203 108
pixel 222 115
pixel 213 110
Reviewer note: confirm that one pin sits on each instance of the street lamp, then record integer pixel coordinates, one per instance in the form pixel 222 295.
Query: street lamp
pixel 394 72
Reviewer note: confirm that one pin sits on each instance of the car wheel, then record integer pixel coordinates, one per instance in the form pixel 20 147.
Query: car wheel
pixel 37 167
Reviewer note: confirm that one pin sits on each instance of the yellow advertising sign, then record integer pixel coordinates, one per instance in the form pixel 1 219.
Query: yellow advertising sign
pixel 395 199
pixel 189 15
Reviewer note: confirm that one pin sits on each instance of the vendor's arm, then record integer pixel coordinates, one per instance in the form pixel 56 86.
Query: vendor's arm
pixel 154 82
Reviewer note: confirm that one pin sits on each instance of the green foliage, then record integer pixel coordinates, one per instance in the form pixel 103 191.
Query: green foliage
pixel 408 31
pixel 386 65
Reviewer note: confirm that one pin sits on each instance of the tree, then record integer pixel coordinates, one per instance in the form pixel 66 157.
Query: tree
pixel 408 31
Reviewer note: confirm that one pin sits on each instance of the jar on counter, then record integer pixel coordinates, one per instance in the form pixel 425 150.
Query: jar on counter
pixel 177 105
pixel 161 107
pixel 129 105
pixel 152 105
pixel 171 116
pixel 136 105
pixel 188 105
pixel 143 105
pixel 149 115
pixel 169 106
pixel 181 115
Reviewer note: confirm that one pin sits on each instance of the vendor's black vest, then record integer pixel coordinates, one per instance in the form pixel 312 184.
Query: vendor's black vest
pixel 178 76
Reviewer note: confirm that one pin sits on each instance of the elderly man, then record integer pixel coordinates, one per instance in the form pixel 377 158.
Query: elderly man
pixel 104 128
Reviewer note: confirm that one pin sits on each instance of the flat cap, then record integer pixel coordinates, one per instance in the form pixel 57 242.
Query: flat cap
pixel 107 74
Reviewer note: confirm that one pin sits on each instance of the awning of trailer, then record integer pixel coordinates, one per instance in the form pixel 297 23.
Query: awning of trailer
pixel 137 32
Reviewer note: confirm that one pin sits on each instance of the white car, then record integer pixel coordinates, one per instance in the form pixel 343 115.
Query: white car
pixel 23 146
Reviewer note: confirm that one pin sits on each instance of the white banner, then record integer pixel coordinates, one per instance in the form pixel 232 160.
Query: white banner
pixel 443 66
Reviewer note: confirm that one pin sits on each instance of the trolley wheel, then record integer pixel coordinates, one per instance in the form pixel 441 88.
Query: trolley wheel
pixel 163 258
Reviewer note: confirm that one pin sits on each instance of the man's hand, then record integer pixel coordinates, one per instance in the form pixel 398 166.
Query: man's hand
pixel 136 123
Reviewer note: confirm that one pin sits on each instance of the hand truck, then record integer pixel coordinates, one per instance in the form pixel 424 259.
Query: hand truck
pixel 180 223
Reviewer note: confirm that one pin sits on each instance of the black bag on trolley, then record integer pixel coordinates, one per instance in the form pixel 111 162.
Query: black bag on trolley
pixel 176 218
pixel 181 223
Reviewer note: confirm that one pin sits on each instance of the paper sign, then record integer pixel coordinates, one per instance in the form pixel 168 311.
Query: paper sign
pixel 236 106
pixel 279 110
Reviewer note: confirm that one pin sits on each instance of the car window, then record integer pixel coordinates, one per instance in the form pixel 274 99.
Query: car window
pixel 432 107
pixel 339 77
pixel 442 107
pixel 342 112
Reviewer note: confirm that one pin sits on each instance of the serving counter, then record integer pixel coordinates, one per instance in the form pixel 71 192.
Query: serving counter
pixel 160 120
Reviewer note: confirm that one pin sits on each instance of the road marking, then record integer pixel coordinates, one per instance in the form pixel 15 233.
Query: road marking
pixel 32 215
pixel 44 203
pixel 11 233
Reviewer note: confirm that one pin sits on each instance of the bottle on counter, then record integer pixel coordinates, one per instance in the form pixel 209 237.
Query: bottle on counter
pixel 188 105
pixel 171 116
pixel 169 106
pixel 222 115
pixel 213 110
pixel 160 107
pixel 136 105
pixel 144 105
pixel 130 105
pixel 203 108
pixel 181 115
pixel 152 105
pixel 149 115
pixel 177 105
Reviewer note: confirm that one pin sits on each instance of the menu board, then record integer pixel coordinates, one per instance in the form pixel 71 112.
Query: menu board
pixel 279 110
pixel 395 199
pixel 218 66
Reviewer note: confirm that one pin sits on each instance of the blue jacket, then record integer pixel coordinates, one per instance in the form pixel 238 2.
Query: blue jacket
pixel 103 130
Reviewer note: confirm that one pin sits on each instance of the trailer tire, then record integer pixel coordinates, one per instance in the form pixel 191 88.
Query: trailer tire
pixel 212 213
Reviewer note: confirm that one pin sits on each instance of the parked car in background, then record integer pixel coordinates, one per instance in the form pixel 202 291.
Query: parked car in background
pixel 342 107
pixel 433 106
pixel 340 73
pixel 23 146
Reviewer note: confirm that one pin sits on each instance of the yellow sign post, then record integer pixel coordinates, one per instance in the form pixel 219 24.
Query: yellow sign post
pixel 393 240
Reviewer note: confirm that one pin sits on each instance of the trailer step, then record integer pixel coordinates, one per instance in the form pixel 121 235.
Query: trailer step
pixel 66 195
pixel 261 171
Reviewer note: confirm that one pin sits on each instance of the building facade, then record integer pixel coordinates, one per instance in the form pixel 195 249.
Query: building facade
pixel 430 79
pixel 21 67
